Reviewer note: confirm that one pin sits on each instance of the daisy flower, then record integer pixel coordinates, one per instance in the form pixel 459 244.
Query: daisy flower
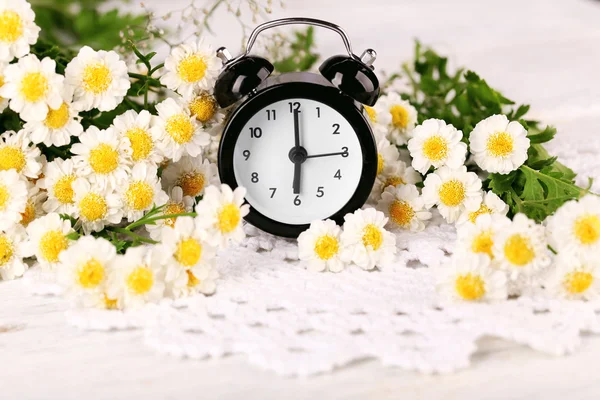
pixel 204 107
pixel 98 79
pixel 57 129
pixel 404 207
pixel 479 236
pixel 200 281
pixel 491 204
pixel 191 174
pixel 520 248
pixel 177 204
pixel 95 205
pixel 320 246
pixel 387 155
pixel 102 156
pixel 393 175
pixel 17 29
pixel 13 249
pixel 221 212
pixel 139 131
pixel 575 277
pixel 398 115
pixel 57 181
pixel 13 198
pixel 84 270
pixel 365 241
pixel 498 145
pixel 454 191
pixel 191 66
pixel 137 277
pixel 34 206
pixel 47 237
pixel 3 101
pixel 18 154
pixel 33 87
pixel 576 226
pixel 470 277
pixel 179 132
pixel 436 144
pixel 141 191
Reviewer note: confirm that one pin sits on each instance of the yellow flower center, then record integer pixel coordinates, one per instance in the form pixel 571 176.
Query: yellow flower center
pixel 191 183
pixel 52 244
pixel 96 78
pixel 188 252
pixel 93 207
pixel 104 159
pixel 393 181
pixel 518 250
pixel 500 144
pixel 587 229
pixel 140 280
pixel 139 195
pixel 29 214
pixel 470 287
pixel 372 113
pixel 12 158
pixel 228 218
pixel 180 128
pixel 435 148
pixel 110 304
pixel 192 280
pixel 11 26
pixel 192 68
pixel 483 209
pixel 204 107
pixel 58 118
pixel 326 247
pixel 141 143
pixel 399 116
pixel 4 197
pixel 90 274
pixel 170 209
pixel 6 249
pixel 34 86
pixel 63 189
pixel 578 282
pixel 452 193
pixel 401 213
pixel 372 236
pixel 482 243
pixel 380 164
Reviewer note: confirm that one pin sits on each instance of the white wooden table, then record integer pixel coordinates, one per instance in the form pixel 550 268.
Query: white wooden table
pixel 543 52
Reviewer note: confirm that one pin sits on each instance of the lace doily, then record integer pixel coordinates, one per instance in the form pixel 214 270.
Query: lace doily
pixel 295 322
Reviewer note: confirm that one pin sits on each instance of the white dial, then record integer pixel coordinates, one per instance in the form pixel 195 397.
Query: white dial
pixel 331 155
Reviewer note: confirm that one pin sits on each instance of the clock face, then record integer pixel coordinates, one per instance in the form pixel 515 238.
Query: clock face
pixel 298 184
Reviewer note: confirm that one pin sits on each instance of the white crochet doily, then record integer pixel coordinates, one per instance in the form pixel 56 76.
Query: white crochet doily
pixel 295 322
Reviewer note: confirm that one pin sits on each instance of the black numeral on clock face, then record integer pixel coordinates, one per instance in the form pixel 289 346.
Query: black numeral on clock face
pixel 320 191
pixel 338 174
pixel 271 115
pixel 294 106
pixel 273 190
pixel 345 152
pixel 297 201
pixel 246 154
pixel 255 132
pixel 254 177
pixel 318 112
pixel 336 129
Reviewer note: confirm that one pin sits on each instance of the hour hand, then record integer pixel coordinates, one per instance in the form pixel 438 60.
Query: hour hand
pixel 297 177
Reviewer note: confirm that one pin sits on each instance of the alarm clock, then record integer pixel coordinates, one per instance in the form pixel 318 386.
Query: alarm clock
pixel 300 142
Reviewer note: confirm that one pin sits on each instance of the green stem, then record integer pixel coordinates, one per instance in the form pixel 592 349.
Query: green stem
pixel 146 221
pixel 133 235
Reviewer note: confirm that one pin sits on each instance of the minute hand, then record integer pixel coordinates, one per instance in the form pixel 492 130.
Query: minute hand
pixel 339 153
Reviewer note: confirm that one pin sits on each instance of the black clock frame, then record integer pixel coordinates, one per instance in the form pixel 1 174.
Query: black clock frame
pixel 312 87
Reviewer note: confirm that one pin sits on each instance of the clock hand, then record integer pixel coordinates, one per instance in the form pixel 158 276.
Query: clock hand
pixel 297 176
pixel 296 129
pixel 297 160
pixel 340 153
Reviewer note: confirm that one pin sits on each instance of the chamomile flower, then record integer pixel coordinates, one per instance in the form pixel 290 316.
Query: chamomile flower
pixel 17 29
pixel 191 174
pixel 84 269
pixel 33 87
pixel 3 101
pixel 575 277
pixel 222 211
pixel 398 115
pixel 179 132
pixel 491 204
pixel 520 249
pixel 365 241
pixel 139 130
pixel 57 129
pixel 98 79
pixel 191 66
pixel 499 145
pixel 102 156
pixel 454 191
pixel 34 206
pixel 57 181
pixel 95 205
pixel 479 237
pixel 13 249
pixel 18 154
pixel 393 175
pixel 434 143
pixel 471 278
pixel 141 191
pixel 387 155
pixel 177 204
pixel 13 198
pixel 47 237
pixel 199 281
pixel 404 207
pixel 204 107
pixel 320 247
pixel 576 226
pixel 137 278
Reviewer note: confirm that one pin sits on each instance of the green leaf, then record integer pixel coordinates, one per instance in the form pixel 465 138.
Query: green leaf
pixel 542 137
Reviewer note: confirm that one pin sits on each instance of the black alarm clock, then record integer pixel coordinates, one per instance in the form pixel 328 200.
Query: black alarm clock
pixel 300 143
